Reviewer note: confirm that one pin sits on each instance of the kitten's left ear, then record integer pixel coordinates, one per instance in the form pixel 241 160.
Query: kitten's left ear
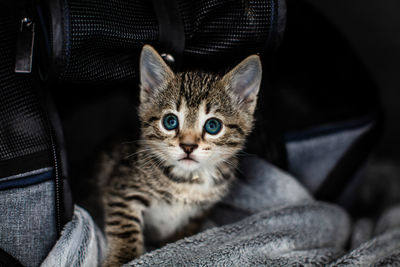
pixel 154 73
pixel 244 82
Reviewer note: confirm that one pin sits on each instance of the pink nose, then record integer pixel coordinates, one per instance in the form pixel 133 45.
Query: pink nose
pixel 188 148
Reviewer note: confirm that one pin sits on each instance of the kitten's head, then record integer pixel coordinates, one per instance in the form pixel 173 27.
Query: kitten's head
pixel 195 120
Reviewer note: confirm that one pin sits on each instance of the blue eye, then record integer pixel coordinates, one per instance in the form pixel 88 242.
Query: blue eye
pixel 213 126
pixel 170 122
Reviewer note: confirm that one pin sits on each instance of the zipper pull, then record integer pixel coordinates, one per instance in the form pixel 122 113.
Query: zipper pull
pixel 25 41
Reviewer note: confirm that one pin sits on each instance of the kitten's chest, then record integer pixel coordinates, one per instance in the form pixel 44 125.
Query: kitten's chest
pixel 190 200
pixel 163 219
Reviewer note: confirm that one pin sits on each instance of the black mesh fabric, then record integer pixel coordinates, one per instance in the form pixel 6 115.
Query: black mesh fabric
pixel 215 28
pixel 22 128
pixel 103 38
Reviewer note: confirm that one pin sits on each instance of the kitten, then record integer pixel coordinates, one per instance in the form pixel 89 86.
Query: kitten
pixel 192 126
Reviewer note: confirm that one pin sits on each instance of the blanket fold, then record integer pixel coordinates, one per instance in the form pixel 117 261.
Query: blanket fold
pixel 81 243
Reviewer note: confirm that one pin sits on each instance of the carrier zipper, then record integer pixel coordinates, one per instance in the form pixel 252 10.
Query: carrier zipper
pixel 57 182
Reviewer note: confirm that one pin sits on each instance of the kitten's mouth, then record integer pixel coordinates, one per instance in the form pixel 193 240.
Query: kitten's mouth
pixel 188 159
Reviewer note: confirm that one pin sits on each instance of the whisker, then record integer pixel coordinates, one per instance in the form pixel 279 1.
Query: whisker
pixel 138 152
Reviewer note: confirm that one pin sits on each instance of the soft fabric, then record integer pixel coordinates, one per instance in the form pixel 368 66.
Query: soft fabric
pixel 381 246
pixel 81 243
pixel 269 219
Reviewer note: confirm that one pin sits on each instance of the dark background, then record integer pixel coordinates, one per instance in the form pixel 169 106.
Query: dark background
pixel 373 29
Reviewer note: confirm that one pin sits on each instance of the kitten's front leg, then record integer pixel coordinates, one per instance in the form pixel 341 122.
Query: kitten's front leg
pixel 123 228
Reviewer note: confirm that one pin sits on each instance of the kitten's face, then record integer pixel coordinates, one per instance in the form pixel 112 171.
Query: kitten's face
pixel 192 134
pixel 195 120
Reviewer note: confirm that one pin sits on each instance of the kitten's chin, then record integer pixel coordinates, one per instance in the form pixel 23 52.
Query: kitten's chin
pixel 188 164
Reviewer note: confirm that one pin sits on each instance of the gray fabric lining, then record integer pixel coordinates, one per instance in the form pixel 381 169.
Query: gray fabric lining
pixel 311 160
pixel 27 222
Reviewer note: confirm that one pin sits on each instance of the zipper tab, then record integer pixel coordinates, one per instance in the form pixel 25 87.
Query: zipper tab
pixel 25 42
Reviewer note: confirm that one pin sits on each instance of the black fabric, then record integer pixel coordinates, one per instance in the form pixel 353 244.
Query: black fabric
pixel 102 39
pixel 316 76
pixel 171 31
pixel 317 79
pixel 27 141
pixel 22 127
pixel 25 163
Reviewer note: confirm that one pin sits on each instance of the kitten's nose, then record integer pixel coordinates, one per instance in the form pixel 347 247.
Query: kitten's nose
pixel 188 148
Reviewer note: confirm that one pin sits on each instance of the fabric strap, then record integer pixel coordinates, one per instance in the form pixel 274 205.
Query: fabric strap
pixel 171 30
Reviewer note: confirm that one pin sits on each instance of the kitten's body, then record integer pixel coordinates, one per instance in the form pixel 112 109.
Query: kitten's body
pixel 167 204
pixel 182 166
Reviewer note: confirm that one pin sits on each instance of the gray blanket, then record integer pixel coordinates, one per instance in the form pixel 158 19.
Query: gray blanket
pixel 269 219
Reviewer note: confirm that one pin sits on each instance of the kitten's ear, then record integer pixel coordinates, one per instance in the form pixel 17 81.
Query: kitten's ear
pixel 243 82
pixel 154 73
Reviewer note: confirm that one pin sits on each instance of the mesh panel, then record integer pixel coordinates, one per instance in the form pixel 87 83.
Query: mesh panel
pixel 226 27
pixel 22 130
pixel 105 37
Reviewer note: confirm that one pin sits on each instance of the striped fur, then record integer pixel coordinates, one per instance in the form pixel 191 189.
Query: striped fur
pixel 149 192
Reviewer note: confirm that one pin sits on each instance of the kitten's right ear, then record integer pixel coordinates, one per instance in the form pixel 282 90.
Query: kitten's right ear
pixel 243 82
pixel 154 73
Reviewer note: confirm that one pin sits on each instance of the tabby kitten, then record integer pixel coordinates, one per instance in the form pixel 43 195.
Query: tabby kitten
pixel 192 125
